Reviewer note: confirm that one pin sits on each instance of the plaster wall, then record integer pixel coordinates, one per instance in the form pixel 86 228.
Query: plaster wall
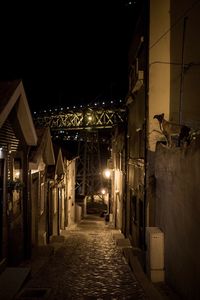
pixel 71 192
pixel 42 211
pixel 159 66
pixel 55 211
pixel 118 205
pixel 34 208
pixel 185 105
pixel 136 144
pixel 177 214
pixel 136 119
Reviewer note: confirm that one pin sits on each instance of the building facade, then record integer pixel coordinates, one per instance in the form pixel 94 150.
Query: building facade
pixel 17 135
pixel 41 158
pixel 164 75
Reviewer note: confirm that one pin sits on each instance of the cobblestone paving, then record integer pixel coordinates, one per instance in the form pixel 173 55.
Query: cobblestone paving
pixel 88 265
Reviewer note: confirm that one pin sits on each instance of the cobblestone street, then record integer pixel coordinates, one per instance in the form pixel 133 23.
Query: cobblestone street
pixel 87 265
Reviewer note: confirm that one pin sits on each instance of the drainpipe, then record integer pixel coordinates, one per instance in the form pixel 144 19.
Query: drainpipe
pixel 3 224
pixel 146 80
pixel 126 202
pixel 48 210
pixel 27 206
pixel 58 211
pixel 182 73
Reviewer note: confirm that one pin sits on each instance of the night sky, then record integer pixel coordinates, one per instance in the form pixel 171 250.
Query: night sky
pixel 67 52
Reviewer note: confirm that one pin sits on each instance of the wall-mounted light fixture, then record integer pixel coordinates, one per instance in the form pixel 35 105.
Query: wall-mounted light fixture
pixel 103 191
pixel 2 152
pixel 107 173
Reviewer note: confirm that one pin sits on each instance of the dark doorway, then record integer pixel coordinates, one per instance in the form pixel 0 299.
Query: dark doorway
pixel 141 222
pixel 1 205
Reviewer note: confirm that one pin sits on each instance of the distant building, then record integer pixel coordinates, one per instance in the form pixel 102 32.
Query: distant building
pixel 63 197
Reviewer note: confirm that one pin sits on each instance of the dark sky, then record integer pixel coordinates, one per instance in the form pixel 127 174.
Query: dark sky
pixel 67 52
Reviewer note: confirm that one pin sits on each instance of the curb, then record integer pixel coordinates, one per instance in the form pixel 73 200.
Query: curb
pixel 133 262
pixel 135 266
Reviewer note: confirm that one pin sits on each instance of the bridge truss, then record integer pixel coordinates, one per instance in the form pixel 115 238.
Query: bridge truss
pixel 86 118
pixel 89 130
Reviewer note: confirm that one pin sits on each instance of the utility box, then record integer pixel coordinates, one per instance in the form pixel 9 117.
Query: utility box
pixel 110 218
pixel 155 254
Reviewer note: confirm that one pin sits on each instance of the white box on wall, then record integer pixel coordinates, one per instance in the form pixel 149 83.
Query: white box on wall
pixel 155 253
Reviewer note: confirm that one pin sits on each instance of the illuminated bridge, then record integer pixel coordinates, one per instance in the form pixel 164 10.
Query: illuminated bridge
pixel 81 118
pixel 89 130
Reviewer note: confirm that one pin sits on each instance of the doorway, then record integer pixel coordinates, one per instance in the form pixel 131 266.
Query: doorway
pixel 1 205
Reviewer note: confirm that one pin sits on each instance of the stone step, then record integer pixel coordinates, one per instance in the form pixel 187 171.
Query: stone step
pixel 11 280
pixel 118 235
pixel 3 264
pixel 123 243
pixel 57 239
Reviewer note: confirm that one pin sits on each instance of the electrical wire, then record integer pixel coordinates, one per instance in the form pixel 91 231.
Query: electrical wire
pixel 177 21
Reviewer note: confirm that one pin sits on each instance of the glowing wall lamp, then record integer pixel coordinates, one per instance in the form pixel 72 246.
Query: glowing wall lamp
pixel 2 152
pixel 103 191
pixel 107 173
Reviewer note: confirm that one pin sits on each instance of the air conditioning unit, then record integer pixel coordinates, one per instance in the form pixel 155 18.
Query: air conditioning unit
pixel 155 254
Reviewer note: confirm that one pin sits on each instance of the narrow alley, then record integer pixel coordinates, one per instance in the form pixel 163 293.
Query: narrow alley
pixel 86 265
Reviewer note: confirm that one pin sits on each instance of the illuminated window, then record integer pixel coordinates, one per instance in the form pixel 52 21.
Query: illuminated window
pixel 17 169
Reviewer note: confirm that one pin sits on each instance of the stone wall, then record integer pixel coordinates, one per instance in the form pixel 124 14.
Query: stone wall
pixel 177 173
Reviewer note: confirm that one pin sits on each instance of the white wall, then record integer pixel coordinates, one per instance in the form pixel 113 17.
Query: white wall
pixel 117 194
pixel 70 187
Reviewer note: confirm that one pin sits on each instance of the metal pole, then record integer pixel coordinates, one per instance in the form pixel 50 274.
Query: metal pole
pixel 83 192
pixel 182 73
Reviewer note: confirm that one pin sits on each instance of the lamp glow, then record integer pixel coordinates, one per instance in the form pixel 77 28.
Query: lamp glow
pixel 103 191
pixel 107 173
